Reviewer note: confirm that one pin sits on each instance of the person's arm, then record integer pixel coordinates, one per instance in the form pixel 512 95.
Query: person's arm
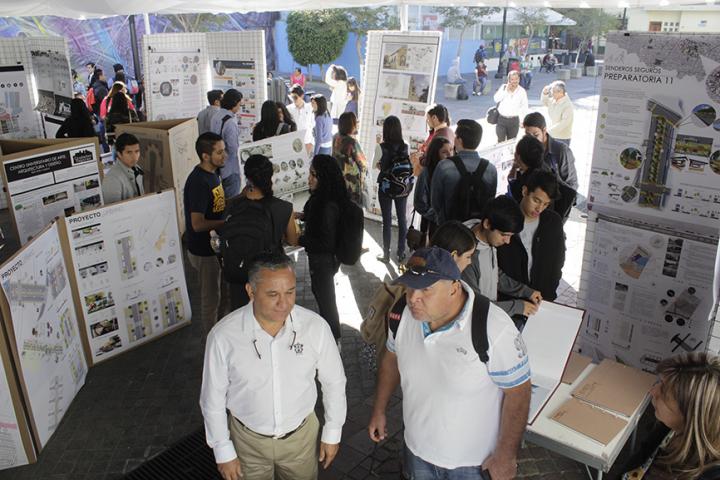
pixel 512 288
pixel 437 191
pixel 471 275
pixel 63 130
pixel 111 189
pixel 291 232
pixel 231 137
pixel 570 171
pixel 500 94
pixel 332 380
pixel 545 97
pixel 378 157
pixel 523 103
pixel 359 158
pixel 422 195
pixel 201 224
pixel 388 380
pixel 329 79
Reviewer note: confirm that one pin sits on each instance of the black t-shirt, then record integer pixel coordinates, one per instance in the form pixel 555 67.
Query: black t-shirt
pixel 203 194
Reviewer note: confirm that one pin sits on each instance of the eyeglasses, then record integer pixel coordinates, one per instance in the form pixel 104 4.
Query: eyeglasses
pixel 292 344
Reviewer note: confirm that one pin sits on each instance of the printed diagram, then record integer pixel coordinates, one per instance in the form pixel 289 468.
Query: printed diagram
pixel 55 411
pixel 654 174
pixel 171 307
pixel 681 310
pixel 137 316
pixel 126 257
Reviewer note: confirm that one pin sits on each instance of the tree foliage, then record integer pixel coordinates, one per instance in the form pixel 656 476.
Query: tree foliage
pixel 462 18
pixel 533 19
pixel 365 19
pixel 589 23
pixel 317 37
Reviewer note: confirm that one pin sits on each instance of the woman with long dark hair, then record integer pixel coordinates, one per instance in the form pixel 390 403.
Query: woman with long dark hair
pixel 350 157
pixel 439 149
pixel 353 96
pixel 322 212
pixel 79 123
pixel 269 124
pixel 286 117
pixel 392 148
pixel 323 125
pixel 120 112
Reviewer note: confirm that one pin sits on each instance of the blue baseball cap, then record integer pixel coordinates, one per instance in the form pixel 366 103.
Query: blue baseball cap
pixel 428 265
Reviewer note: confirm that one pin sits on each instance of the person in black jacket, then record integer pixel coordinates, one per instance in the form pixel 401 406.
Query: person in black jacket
pixel 536 255
pixel 270 124
pixel 328 200
pixel 558 156
pixel 79 124
pixel 528 158
pixel 391 148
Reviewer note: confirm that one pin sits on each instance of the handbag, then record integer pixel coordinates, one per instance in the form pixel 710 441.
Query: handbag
pixel 492 115
pixel 415 238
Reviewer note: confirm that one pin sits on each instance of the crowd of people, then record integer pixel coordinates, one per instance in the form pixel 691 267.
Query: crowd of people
pixel 479 259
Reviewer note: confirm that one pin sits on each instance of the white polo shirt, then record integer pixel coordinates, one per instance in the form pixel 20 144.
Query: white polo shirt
pixel 304 119
pixel 451 400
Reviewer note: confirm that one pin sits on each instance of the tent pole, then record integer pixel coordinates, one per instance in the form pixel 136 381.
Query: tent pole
pixel 146 19
pixel 404 16
pixel 134 46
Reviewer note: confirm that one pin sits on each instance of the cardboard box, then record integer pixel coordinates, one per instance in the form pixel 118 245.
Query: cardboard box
pixel 167 155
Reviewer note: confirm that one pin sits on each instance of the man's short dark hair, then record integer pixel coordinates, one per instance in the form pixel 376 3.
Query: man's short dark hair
pixel 124 140
pixel 268 261
pixel 297 90
pixel 534 119
pixel 546 181
pixel 90 64
pixel 531 151
pixel 214 96
pixel 206 143
pixel 504 214
pixel 438 110
pixel 470 132
pixel 230 99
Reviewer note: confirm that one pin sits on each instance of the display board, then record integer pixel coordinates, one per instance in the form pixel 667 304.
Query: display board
pixel 400 78
pixel 17 119
pixel 53 181
pixel 127 262
pixel 52 78
pixel 657 147
pixel 502 156
pixel 647 291
pixel 39 314
pixel 237 60
pixel 291 163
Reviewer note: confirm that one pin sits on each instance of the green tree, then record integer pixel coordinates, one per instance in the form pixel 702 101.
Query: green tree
pixel 365 19
pixel 317 37
pixel 533 19
pixel 589 23
pixel 462 18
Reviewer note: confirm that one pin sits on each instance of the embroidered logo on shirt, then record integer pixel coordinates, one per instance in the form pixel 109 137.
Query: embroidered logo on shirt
pixel 298 347
pixel 461 350
pixel 520 346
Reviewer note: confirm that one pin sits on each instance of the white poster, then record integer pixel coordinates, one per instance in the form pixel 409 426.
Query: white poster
pixel 502 156
pixel 53 83
pixel 17 118
pixel 175 84
pixel 291 163
pixel 50 185
pixel 52 364
pixel 240 75
pixel 12 452
pixel 648 293
pixel 657 150
pixel 130 274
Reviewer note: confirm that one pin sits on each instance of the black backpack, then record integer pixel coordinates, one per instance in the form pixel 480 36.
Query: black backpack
pixel 350 234
pixel 248 231
pixel 471 194
pixel 398 181
pixel 478 327
pixel 462 92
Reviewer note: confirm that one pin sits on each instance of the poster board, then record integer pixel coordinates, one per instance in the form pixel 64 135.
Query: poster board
pixel 40 318
pixel 17 118
pixel 290 159
pixel 167 156
pixel 237 60
pixel 647 291
pixel 400 79
pixel 657 146
pixel 502 156
pixel 549 336
pixel 127 264
pixel 45 179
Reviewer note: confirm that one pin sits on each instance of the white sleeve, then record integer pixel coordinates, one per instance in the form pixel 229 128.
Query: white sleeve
pixel 215 383
pixel 508 365
pixel 332 379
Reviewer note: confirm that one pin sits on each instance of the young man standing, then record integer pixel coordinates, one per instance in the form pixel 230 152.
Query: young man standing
pixel 558 156
pixel 536 255
pixel 303 115
pixel 225 124
pixel 125 178
pixel 502 220
pixel 205 116
pixel 204 200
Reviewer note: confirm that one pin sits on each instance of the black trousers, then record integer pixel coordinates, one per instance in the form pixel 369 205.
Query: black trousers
pixel 323 267
pixel 507 128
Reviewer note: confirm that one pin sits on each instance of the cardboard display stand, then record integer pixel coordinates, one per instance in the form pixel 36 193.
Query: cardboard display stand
pixel 45 179
pixel 167 156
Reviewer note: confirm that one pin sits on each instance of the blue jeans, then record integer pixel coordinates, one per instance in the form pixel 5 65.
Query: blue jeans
pixel 401 212
pixel 419 469
pixel 324 151
pixel 231 185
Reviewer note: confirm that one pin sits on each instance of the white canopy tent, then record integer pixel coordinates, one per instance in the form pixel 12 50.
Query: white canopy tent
pixel 101 8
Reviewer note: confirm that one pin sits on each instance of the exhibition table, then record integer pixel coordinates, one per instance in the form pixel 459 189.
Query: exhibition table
pixel 554 436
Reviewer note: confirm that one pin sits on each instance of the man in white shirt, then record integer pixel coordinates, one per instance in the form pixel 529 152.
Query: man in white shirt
pixel 204 118
pixel 260 366
pixel 461 415
pixel 512 104
pixel 303 115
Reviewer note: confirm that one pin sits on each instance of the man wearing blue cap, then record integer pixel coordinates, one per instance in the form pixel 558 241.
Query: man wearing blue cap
pixel 464 417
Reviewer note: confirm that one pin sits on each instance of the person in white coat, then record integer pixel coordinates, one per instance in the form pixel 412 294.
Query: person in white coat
pixel 336 77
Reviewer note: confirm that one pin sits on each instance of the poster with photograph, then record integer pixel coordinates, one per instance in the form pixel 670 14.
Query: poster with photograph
pixel 657 147
pixel 53 184
pixel 17 118
pixel 51 363
pixel 53 83
pixel 502 156
pixel 129 270
pixel 242 76
pixel 648 292
pixel 175 84
pixel 291 163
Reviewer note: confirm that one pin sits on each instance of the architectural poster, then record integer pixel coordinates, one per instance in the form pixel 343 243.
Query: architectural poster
pixel 53 184
pixel 47 339
pixel 240 75
pixel 175 84
pixel 52 77
pixel 17 118
pixel 657 150
pixel 12 453
pixel 129 271
pixel 648 292
pixel 291 163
